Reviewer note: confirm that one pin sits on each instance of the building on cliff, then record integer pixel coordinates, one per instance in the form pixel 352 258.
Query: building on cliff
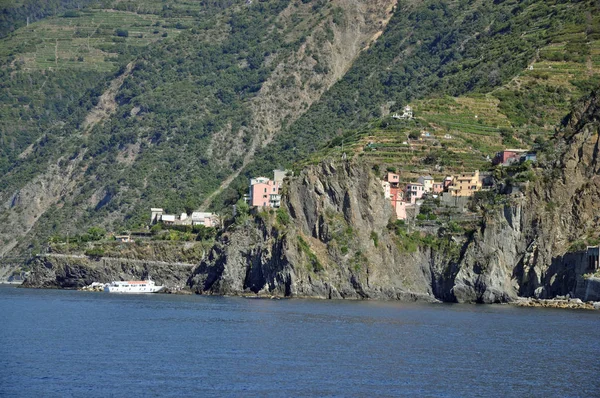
pixel 197 218
pixel 264 192
pixel 465 184
pixel 427 182
pixel 508 157
pixel 414 192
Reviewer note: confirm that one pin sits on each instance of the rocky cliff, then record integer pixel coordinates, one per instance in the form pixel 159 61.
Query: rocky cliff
pixel 76 271
pixel 337 242
pixel 334 237
pixel 329 240
pixel 522 248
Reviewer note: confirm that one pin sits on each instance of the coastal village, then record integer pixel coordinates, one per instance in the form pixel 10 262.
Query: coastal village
pixel 405 194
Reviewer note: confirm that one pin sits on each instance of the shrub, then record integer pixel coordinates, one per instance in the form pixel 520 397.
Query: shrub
pixel 375 238
pixel 94 252
pixel 122 33
pixel 577 246
pixel 283 217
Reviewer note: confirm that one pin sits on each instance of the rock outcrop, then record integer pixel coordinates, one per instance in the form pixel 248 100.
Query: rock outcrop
pixel 73 271
pixel 329 240
pixel 522 249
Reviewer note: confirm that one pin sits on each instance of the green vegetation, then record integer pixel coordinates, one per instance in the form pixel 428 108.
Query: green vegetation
pixel 15 13
pixel 411 241
pixel 439 48
pixel 375 238
pixel 184 117
pixel 314 264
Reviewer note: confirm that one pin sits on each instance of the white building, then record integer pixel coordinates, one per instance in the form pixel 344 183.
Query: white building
pixel 204 218
pixel 407 113
pixel 156 215
pixel 427 182
pixel 168 219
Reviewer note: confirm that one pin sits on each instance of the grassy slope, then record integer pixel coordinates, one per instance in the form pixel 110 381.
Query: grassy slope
pixel 157 149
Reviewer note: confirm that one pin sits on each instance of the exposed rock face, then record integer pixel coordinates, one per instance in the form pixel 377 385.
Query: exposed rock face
pixel 335 245
pixel 71 272
pixel 521 249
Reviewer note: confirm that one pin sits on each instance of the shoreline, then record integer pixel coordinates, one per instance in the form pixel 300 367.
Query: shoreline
pixel 574 304
pixel 556 303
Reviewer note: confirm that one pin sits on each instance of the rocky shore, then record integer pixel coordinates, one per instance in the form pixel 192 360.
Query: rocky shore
pixel 564 303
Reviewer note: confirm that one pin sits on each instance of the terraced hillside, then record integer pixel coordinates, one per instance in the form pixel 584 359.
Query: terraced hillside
pixel 466 131
pixel 118 106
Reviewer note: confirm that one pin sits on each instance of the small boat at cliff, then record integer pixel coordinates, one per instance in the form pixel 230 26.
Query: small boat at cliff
pixel 147 286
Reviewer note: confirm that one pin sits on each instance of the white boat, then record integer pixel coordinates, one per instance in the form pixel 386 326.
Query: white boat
pixel 133 287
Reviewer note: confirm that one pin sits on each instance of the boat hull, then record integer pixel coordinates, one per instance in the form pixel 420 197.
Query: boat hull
pixel 133 287
pixel 112 289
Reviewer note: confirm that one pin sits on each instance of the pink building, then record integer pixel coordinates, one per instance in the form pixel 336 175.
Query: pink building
pixel 438 187
pixel 264 193
pixel 393 179
pixel 508 156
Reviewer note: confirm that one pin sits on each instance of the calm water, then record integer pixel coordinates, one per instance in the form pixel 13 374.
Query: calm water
pixel 68 343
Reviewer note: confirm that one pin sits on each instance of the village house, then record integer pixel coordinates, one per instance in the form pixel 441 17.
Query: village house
pixel 264 192
pixel 206 219
pixel 406 114
pixel 197 218
pixel 393 178
pixel 427 182
pixel 168 219
pixel 408 200
pixel 465 184
pixel 414 191
pixel 394 193
pixel 508 156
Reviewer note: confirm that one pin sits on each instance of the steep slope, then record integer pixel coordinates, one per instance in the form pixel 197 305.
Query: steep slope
pixel 440 49
pixel 522 248
pixel 337 243
pixel 329 240
pixel 213 95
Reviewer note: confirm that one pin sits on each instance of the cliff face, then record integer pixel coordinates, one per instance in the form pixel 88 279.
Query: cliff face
pixel 521 250
pixel 330 240
pixel 72 271
pixel 337 243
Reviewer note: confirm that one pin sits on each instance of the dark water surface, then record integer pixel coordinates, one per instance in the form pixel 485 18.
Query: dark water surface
pixel 68 343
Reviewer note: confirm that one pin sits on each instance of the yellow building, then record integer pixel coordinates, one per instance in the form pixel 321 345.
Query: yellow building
pixel 465 184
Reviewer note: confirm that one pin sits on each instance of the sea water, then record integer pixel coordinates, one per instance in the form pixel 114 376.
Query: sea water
pixel 70 343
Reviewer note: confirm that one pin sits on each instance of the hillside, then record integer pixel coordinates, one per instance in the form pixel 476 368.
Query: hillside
pixel 119 106
pixel 335 237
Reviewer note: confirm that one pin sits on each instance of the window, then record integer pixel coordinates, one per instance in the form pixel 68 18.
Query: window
pixel 265 190
pixel 273 189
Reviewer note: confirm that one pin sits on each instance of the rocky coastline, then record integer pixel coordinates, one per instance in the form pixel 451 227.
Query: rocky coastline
pixel 334 237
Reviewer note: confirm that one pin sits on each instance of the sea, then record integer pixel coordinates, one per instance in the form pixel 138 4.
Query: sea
pixel 58 343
